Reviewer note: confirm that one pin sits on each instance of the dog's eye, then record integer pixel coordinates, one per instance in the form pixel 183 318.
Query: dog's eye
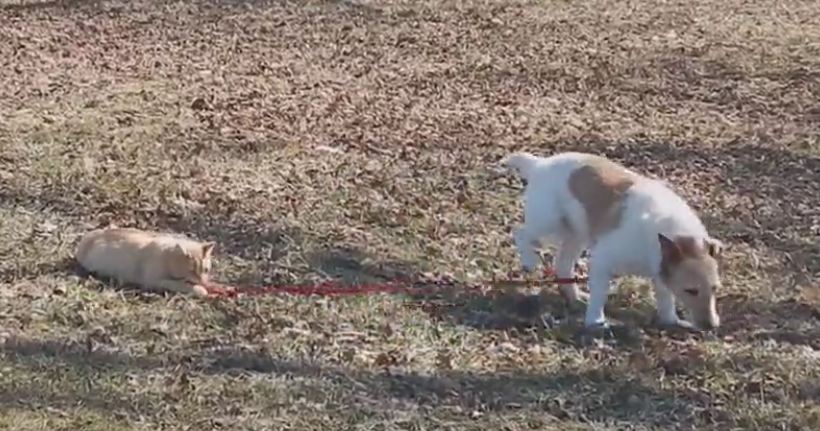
pixel 693 292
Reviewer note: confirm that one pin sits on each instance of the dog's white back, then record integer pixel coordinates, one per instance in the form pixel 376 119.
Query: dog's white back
pixel 580 201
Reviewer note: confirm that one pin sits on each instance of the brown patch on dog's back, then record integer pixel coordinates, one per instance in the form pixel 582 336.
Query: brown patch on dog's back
pixel 601 187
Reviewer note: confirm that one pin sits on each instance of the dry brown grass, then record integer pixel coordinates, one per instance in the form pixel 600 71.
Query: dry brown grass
pixel 355 139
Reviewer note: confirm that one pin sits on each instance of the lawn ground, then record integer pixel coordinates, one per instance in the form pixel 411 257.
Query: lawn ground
pixel 358 139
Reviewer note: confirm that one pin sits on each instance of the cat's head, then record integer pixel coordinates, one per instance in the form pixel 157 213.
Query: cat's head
pixel 191 262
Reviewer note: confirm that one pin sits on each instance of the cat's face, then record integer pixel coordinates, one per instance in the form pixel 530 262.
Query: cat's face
pixel 192 264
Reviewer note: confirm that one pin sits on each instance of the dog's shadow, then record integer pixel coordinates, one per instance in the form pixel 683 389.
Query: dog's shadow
pixel 545 315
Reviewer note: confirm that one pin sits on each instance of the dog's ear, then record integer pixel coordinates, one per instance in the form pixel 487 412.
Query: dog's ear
pixel 688 246
pixel 714 247
pixel 669 249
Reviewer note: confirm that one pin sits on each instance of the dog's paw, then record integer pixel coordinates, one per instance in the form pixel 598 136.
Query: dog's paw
pixel 595 335
pixel 599 330
pixel 576 306
pixel 528 268
pixel 679 326
pixel 576 296
pixel 609 334
pixel 576 300
pixel 576 303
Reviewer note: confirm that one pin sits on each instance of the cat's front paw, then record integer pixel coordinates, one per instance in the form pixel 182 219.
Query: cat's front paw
pixel 199 290
pixel 219 290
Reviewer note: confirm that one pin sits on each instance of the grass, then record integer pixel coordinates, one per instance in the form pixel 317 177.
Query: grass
pixel 357 139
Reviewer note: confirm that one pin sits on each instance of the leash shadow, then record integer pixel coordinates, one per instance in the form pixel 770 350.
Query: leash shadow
pixel 540 316
pixel 352 265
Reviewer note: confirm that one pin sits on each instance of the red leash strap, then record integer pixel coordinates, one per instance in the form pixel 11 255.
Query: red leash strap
pixel 335 288
pixel 550 273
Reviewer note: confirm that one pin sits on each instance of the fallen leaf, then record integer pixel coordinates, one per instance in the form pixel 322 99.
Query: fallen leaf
pixel 386 359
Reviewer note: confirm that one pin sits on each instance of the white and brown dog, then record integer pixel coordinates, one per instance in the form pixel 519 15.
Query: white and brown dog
pixel 631 224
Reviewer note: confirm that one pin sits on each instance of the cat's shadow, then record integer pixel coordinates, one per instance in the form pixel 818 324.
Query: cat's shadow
pixel 104 282
pixel 67 265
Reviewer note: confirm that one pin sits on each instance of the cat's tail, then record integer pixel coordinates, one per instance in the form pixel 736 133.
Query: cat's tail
pixel 522 162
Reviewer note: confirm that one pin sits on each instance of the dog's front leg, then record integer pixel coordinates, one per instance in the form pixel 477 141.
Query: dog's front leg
pixel 525 242
pixel 598 292
pixel 667 314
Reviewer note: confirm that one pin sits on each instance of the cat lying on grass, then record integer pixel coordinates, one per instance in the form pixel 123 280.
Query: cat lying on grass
pixel 151 260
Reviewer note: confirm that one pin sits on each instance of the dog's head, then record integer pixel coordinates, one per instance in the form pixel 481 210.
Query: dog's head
pixel 689 268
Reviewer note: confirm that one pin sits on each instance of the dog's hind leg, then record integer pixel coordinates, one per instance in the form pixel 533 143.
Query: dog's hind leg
pixel 599 278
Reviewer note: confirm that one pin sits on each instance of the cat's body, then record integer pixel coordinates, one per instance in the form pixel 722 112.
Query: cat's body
pixel 151 260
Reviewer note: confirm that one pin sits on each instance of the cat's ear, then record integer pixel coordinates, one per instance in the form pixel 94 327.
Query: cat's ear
pixel 180 249
pixel 208 248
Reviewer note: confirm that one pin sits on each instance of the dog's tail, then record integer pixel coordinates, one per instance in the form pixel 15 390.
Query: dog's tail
pixel 522 162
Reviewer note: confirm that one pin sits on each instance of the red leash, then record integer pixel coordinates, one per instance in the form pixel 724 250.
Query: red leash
pixel 399 286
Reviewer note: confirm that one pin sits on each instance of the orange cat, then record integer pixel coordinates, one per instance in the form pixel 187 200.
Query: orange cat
pixel 151 260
